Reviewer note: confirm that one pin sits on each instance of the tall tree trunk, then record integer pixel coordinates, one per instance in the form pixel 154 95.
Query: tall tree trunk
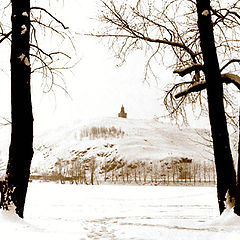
pixel 226 175
pixel 238 169
pixel 237 205
pixel 21 150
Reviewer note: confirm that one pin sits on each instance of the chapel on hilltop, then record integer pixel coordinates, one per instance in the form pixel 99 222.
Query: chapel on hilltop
pixel 122 114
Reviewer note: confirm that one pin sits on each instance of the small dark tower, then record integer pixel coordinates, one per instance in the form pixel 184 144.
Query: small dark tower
pixel 122 114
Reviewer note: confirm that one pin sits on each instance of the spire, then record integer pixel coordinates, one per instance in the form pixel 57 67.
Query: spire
pixel 122 114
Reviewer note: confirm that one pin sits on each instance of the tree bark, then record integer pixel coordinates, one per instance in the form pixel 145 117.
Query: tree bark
pixel 238 170
pixel 226 175
pixel 237 204
pixel 21 149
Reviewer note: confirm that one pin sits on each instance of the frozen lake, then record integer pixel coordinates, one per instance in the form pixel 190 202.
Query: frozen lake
pixel 70 212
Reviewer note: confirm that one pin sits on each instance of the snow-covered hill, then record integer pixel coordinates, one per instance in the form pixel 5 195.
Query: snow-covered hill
pixel 128 139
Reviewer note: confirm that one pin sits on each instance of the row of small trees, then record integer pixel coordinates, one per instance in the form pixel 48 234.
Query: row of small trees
pixel 118 170
pixel 101 132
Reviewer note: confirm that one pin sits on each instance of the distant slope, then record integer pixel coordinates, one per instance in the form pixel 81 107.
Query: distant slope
pixel 145 140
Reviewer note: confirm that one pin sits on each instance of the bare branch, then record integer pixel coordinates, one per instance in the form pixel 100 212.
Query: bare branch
pixel 6 123
pixel 50 54
pixel 184 71
pixel 230 62
pixel 57 20
pixel 196 87
pixel 137 35
pixel 231 78
pixel 199 86
pixel 5 36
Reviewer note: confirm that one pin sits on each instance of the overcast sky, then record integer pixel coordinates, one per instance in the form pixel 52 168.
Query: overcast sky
pixel 96 86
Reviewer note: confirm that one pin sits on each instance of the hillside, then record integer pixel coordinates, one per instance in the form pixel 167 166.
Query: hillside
pixel 104 145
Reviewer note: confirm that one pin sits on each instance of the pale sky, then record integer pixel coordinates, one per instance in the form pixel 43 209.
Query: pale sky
pixel 96 86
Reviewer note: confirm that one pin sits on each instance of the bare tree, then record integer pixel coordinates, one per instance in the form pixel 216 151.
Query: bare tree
pixel 184 29
pixel 24 48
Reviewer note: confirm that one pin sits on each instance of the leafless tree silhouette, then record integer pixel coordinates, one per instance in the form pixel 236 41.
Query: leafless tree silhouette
pixel 202 59
pixel 27 57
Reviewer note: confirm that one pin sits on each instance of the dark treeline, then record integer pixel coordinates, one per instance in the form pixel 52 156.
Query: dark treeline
pixel 120 171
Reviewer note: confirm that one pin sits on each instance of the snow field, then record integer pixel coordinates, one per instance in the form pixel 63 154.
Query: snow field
pixel 115 212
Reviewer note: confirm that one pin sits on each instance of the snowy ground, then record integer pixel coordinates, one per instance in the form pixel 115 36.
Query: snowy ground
pixel 114 212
